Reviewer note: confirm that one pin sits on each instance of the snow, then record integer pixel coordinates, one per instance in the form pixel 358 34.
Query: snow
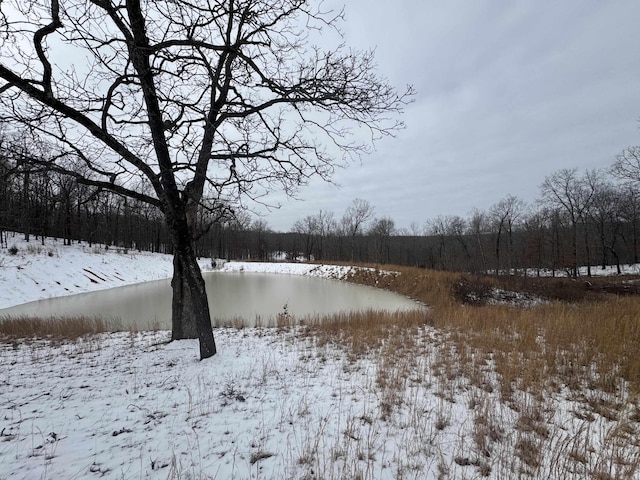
pixel 43 271
pixel 326 271
pixel 583 271
pixel 272 404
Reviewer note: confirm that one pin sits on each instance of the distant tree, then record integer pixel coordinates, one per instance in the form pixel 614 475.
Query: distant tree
pixel 237 228
pixel 627 169
pixel 18 174
pixel 504 215
pixel 477 226
pixel 537 226
pixel 436 227
pixel 604 213
pixel 259 229
pixel 6 190
pixel 355 219
pixel 67 191
pixel 193 98
pixel 573 194
pixel 327 227
pixel 410 248
pixel 630 213
pixel 307 229
pixel 313 231
pixel 627 165
pixel 414 230
pixel 381 229
pixel 444 227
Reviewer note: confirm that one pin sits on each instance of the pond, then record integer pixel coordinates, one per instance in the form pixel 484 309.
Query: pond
pixel 255 298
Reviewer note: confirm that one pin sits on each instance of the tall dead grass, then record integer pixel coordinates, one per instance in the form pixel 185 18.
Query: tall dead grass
pixel 56 328
pixel 529 357
pixel 362 332
pixel 591 343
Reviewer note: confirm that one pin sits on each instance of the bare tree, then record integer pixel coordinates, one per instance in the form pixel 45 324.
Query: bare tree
pixel 445 228
pixel 327 227
pixel 259 229
pixel 504 215
pixel 630 212
pixel 627 165
pixel 354 220
pixel 627 168
pixel 314 230
pixel 604 212
pixel 477 226
pixel 307 228
pixel 537 226
pixel 573 194
pixel 381 229
pixel 193 98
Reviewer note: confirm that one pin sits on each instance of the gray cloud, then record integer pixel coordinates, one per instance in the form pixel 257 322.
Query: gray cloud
pixel 507 93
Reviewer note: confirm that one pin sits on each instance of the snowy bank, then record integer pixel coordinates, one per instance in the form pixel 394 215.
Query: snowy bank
pixel 32 271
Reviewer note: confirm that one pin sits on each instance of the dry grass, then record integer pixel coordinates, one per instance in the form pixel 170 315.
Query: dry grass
pixel 55 328
pixel 590 343
pixel 580 343
pixel 362 332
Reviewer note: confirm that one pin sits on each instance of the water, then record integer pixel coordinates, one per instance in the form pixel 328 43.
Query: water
pixel 255 298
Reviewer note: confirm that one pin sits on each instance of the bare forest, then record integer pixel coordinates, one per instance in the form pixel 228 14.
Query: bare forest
pixel 587 219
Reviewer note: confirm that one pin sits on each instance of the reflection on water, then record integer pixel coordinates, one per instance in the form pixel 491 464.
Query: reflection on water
pixel 252 297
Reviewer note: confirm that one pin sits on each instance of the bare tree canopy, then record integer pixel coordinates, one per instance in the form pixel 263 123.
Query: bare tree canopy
pixel 356 216
pixel 572 194
pixel 627 164
pixel 504 214
pixel 354 220
pixel 170 101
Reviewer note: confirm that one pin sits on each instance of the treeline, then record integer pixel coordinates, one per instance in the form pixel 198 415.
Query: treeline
pixel 581 219
pixel 588 218
pixel 49 204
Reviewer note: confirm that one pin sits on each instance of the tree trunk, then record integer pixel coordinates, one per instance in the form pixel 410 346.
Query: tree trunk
pixel 498 251
pixel 183 323
pixel 635 239
pixel 195 291
pixel 574 248
pixel 26 210
pixel 482 257
pixel 604 246
pixel 587 248
pixel 190 315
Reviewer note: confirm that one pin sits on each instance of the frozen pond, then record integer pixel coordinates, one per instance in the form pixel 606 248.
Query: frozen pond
pixel 253 297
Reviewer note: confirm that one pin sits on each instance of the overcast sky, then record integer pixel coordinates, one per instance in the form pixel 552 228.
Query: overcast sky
pixel 507 93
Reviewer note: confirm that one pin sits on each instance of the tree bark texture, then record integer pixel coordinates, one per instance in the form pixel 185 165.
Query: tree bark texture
pixel 195 291
pixel 183 324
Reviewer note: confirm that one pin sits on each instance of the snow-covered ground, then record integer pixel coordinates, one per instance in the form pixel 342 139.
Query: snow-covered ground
pixel 596 271
pixel 273 403
pixel 267 406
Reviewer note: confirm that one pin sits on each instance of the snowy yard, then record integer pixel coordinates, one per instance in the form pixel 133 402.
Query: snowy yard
pixel 287 403
pixel 274 404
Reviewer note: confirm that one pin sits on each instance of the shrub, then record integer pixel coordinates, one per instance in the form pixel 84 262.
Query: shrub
pixel 13 250
pixel 472 291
